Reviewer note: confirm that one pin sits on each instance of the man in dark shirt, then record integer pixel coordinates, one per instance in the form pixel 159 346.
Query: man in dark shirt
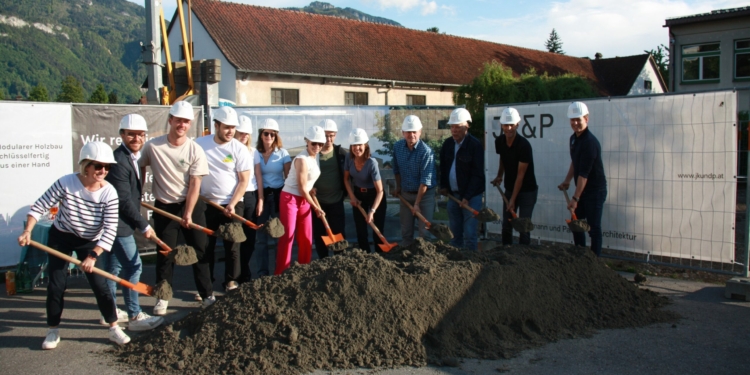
pixel 517 164
pixel 591 183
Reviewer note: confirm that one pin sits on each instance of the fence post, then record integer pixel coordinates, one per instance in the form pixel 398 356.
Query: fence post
pixel 746 245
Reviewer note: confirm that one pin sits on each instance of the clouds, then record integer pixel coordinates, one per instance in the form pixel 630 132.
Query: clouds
pixel 425 7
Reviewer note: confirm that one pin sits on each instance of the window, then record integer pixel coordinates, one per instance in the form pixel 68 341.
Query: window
pixel 355 98
pixel 742 59
pixel 700 62
pixel 647 85
pixel 284 97
pixel 182 51
pixel 416 100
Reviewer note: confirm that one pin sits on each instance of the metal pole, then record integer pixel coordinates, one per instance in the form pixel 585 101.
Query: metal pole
pixel 746 245
pixel 151 51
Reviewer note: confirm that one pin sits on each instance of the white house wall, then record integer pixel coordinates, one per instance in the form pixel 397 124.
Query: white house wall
pixel 204 48
pixel 648 73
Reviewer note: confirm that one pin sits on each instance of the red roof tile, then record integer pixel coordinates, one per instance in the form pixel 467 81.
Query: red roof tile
pixel 262 39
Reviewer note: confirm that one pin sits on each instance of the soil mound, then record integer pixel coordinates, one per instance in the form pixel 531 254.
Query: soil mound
pixel 423 303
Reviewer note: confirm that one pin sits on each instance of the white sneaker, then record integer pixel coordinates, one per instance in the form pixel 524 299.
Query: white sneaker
pixel 144 322
pixel 117 336
pixel 232 285
pixel 52 339
pixel 160 309
pixel 198 297
pixel 209 301
pixel 122 317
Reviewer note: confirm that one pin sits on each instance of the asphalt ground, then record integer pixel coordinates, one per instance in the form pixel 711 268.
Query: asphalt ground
pixel 713 337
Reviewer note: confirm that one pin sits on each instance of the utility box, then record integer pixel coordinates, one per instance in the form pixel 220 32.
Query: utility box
pixel 738 288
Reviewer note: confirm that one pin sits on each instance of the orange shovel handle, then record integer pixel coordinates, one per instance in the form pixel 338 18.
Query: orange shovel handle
pixel 178 219
pixel 419 216
pixel 234 215
pixel 505 199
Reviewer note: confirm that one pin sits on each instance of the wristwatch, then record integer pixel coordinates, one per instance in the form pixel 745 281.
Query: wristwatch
pixel 372 210
pixel 575 199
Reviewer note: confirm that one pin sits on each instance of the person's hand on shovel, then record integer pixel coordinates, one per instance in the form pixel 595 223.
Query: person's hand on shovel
pixel 229 210
pixel 88 264
pixel 415 209
pixel 187 219
pixel 511 205
pixel 149 233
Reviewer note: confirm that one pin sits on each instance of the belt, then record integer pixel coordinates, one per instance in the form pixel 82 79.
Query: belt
pixel 363 190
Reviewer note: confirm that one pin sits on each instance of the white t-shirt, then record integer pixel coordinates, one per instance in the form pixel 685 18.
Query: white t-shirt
pixel 172 167
pixel 224 162
pixel 291 185
pixel 252 185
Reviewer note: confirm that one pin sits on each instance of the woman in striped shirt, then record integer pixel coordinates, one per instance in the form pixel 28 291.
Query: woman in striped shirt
pixel 87 224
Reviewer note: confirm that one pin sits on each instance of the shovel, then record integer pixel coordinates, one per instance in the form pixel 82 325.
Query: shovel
pixel 574 224
pixel 485 215
pixel 440 231
pixel 184 255
pixel 225 236
pixel 385 246
pixel 140 287
pixel 334 242
pixel 234 215
pixel 521 225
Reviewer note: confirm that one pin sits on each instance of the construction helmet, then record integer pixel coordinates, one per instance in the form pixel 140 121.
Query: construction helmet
pixel 246 125
pixel 315 134
pixel 329 125
pixel 97 151
pixel 577 110
pixel 411 124
pixel 182 109
pixel 510 116
pixel 358 137
pixel 226 116
pixel 459 116
pixel 269 124
pixel 133 122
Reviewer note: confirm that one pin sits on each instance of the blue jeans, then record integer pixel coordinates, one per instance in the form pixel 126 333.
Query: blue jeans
pixel 525 202
pixel 463 224
pixel 591 208
pixel 124 258
pixel 262 249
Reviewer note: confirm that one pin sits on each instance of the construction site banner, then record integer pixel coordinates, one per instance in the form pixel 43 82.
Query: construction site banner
pixel 671 167
pixel 35 151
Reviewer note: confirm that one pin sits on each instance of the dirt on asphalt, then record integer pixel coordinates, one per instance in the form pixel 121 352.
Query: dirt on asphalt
pixel 423 303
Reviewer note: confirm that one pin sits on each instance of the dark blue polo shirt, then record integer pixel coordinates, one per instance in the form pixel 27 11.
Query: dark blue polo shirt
pixel 518 152
pixel 586 154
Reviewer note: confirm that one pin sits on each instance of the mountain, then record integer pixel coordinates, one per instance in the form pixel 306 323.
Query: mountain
pixel 95 41
pixel 319 7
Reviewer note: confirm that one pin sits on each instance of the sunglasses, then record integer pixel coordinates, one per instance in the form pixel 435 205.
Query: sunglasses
pixel 269 134
pixel 317 144
pixel 99 167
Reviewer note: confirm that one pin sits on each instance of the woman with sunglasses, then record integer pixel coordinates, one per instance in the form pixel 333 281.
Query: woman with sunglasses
pixel 296 203
pixel 365 188
pixel 87 224
pixel 272 166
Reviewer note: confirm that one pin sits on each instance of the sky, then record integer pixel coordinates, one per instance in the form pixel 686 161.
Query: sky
pixel 613 28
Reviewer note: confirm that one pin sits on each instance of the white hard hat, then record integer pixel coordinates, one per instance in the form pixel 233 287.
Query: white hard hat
pixel 329 125
pixel 411 124
pixel 459 116
pixel 269 124
pixel 97 151
pixel 577 110
pixel 510 116
pixel 315 134
pixel 182 109
pixel 226 116
pixel 133 122
pixel 246 125
pixel 358 137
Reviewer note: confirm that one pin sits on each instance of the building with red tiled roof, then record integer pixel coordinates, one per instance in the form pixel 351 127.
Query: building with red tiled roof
pixel 275 56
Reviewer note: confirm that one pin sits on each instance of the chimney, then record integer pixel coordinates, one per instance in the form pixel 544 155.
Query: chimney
pixel 598 56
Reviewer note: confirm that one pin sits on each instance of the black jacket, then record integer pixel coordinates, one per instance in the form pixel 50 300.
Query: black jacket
pixel 341 158
pixel 469 166
pixel 125 180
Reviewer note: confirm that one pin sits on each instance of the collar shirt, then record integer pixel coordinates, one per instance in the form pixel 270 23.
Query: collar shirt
pixel 452 178
pixel 416 167
pixel 586 154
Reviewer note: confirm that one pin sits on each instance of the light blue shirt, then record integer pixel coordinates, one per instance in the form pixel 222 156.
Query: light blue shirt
pixel 416 167
pixel 273 171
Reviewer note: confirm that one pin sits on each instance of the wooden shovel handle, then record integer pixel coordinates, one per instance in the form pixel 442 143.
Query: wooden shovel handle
pixel 374 228
pixel 505 199
pixel 178 219
pixel 234 215
pixel 427 223
pixel 567 200
pixel 473 211
pixel 323 218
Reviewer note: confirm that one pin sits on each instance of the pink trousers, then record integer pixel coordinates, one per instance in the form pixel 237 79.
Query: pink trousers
pixel 295 215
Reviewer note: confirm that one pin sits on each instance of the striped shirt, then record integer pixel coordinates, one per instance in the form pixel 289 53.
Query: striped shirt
pixel 416 167
pixel 88 215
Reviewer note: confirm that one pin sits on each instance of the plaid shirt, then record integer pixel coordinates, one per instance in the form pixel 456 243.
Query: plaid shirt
pixel 416 167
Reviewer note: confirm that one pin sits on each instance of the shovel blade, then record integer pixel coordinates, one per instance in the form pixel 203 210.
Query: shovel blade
pixel 387 247
pixel 333 238
pixel 143 289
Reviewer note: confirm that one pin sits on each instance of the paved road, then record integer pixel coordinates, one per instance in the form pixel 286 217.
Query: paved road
pixel 712 338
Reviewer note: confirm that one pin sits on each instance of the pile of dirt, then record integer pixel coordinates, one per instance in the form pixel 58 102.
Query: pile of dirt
pixel 231 232
pixel 274 228
pixel 423 303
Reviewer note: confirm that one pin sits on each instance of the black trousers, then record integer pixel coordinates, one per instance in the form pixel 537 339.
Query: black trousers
pixel 248 247
pixel 215 218
pixel 67 243
pixel 337 221
pixel 366 200
pixel 168 230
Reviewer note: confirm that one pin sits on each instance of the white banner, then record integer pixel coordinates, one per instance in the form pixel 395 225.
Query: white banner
pixel 34 152
pixel 670 163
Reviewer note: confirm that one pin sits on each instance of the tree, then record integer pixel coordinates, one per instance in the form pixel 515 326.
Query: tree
pixel 661 57
pixel 113 97
pixel 71 91
pixel 554 43
pixel 435 30
pixel 2 96
pixel 39 94
pixel 99 95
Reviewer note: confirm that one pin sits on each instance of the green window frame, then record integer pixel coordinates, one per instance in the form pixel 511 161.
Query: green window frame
pixel 742 59
pixel 701 63
pixel 284 97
